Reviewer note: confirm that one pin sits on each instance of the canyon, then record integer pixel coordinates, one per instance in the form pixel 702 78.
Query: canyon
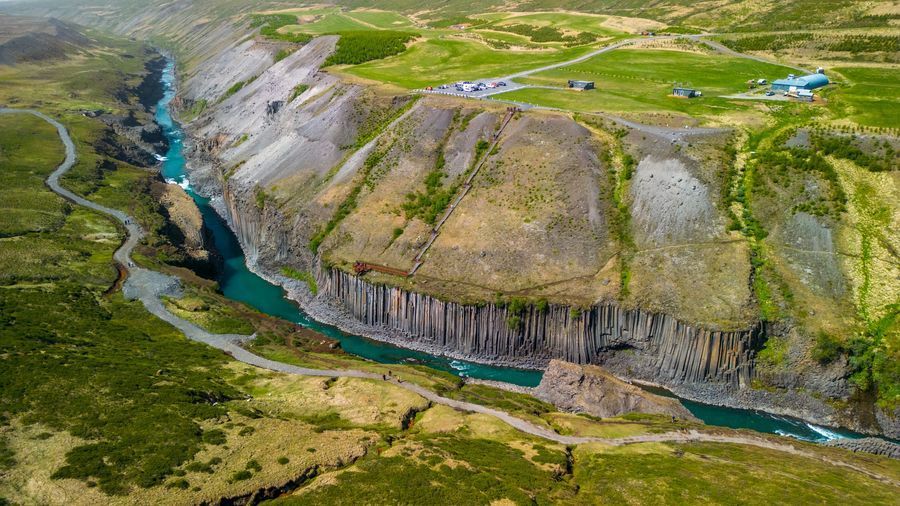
pixel 284 153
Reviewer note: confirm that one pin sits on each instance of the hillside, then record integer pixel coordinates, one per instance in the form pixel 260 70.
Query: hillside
pixel 34 39
pixel 735 248
pixel 617 203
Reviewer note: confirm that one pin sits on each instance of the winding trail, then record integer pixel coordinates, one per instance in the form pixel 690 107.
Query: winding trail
pixel 147 286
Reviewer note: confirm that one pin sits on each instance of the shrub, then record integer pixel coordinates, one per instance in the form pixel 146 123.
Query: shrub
pixel 826 349
pixel 547 34
pixel 241 476
pixel 297 91
pixel 282 54
pixel 180 483
pixel 456 20
pixel 214 437
pixel 283 460
pixel 234 88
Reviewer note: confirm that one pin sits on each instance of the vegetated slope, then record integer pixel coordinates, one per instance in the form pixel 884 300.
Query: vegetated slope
pixel 297 185
pixel 35 39
pixel 171 18
pixel 115 407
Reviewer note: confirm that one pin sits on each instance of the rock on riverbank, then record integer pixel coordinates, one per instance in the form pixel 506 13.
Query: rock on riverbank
pixel 590 389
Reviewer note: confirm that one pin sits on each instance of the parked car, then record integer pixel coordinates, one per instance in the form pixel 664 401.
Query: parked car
pixel 770 93
pixel 501 83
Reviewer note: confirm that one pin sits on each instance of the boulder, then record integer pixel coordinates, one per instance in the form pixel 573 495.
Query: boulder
pixel 591 389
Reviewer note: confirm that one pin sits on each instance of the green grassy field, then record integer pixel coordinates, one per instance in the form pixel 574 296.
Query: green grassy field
pixel 384 20
pixel 25 209
pixel 329 23
pixel 562 20
pixel 642 80
pixel 437 61
pixel 870 96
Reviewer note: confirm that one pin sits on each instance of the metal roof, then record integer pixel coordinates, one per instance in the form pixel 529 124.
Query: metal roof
pixel 809 81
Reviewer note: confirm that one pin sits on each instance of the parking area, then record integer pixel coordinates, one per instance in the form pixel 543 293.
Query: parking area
pixel 475 89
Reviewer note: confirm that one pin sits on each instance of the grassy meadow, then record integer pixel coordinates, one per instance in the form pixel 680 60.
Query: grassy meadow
pixel 641 80
pixel 437 61
pixel 869 96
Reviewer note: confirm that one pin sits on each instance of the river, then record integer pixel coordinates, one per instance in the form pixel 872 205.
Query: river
pixel 238 283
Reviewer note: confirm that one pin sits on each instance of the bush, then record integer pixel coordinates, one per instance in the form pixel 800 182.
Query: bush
pixel 282 54
pixel 826 349
pixel 456 20
pixel 547 34
pixel 297 91
pixel 180 483
pixel 214 437
pixel 241 476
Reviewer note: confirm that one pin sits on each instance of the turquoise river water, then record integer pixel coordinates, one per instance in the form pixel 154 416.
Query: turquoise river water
pixel 238 283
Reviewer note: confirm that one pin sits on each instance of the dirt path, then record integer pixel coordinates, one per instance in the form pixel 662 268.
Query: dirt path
pixel 148 286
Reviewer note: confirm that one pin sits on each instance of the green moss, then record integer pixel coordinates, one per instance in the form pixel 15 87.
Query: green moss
pixel 304 276
pixel 774 353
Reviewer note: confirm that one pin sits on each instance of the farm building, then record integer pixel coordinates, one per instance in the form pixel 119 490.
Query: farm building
pixel 809 82
pixel 685 92
pixel 581 85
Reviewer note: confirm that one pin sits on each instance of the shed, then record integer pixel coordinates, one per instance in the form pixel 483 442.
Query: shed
pixel 808 82
pixel 581 85
pixel 685 92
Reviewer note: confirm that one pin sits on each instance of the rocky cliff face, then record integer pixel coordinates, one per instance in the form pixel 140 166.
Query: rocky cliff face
pixel 552 254
pixel 591 390
pixel 649 346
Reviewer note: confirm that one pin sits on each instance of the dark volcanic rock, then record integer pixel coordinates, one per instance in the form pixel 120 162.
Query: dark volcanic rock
pixel 868 445
pixel 590 389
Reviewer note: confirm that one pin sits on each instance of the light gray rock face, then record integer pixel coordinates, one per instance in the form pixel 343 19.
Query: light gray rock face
pixel 670 205
pixel 241 62
pixel 592 390
pixel 869 445
pixel 809 246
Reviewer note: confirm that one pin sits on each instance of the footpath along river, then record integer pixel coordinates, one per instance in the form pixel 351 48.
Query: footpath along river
pixel 239 283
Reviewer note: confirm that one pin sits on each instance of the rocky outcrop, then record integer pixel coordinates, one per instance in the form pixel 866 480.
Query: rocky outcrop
pixel 661 348
pixel 869 445
pixel 184 215
pixel 592 390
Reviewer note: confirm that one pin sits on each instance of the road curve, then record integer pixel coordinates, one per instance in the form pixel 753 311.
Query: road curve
pixel 147 286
